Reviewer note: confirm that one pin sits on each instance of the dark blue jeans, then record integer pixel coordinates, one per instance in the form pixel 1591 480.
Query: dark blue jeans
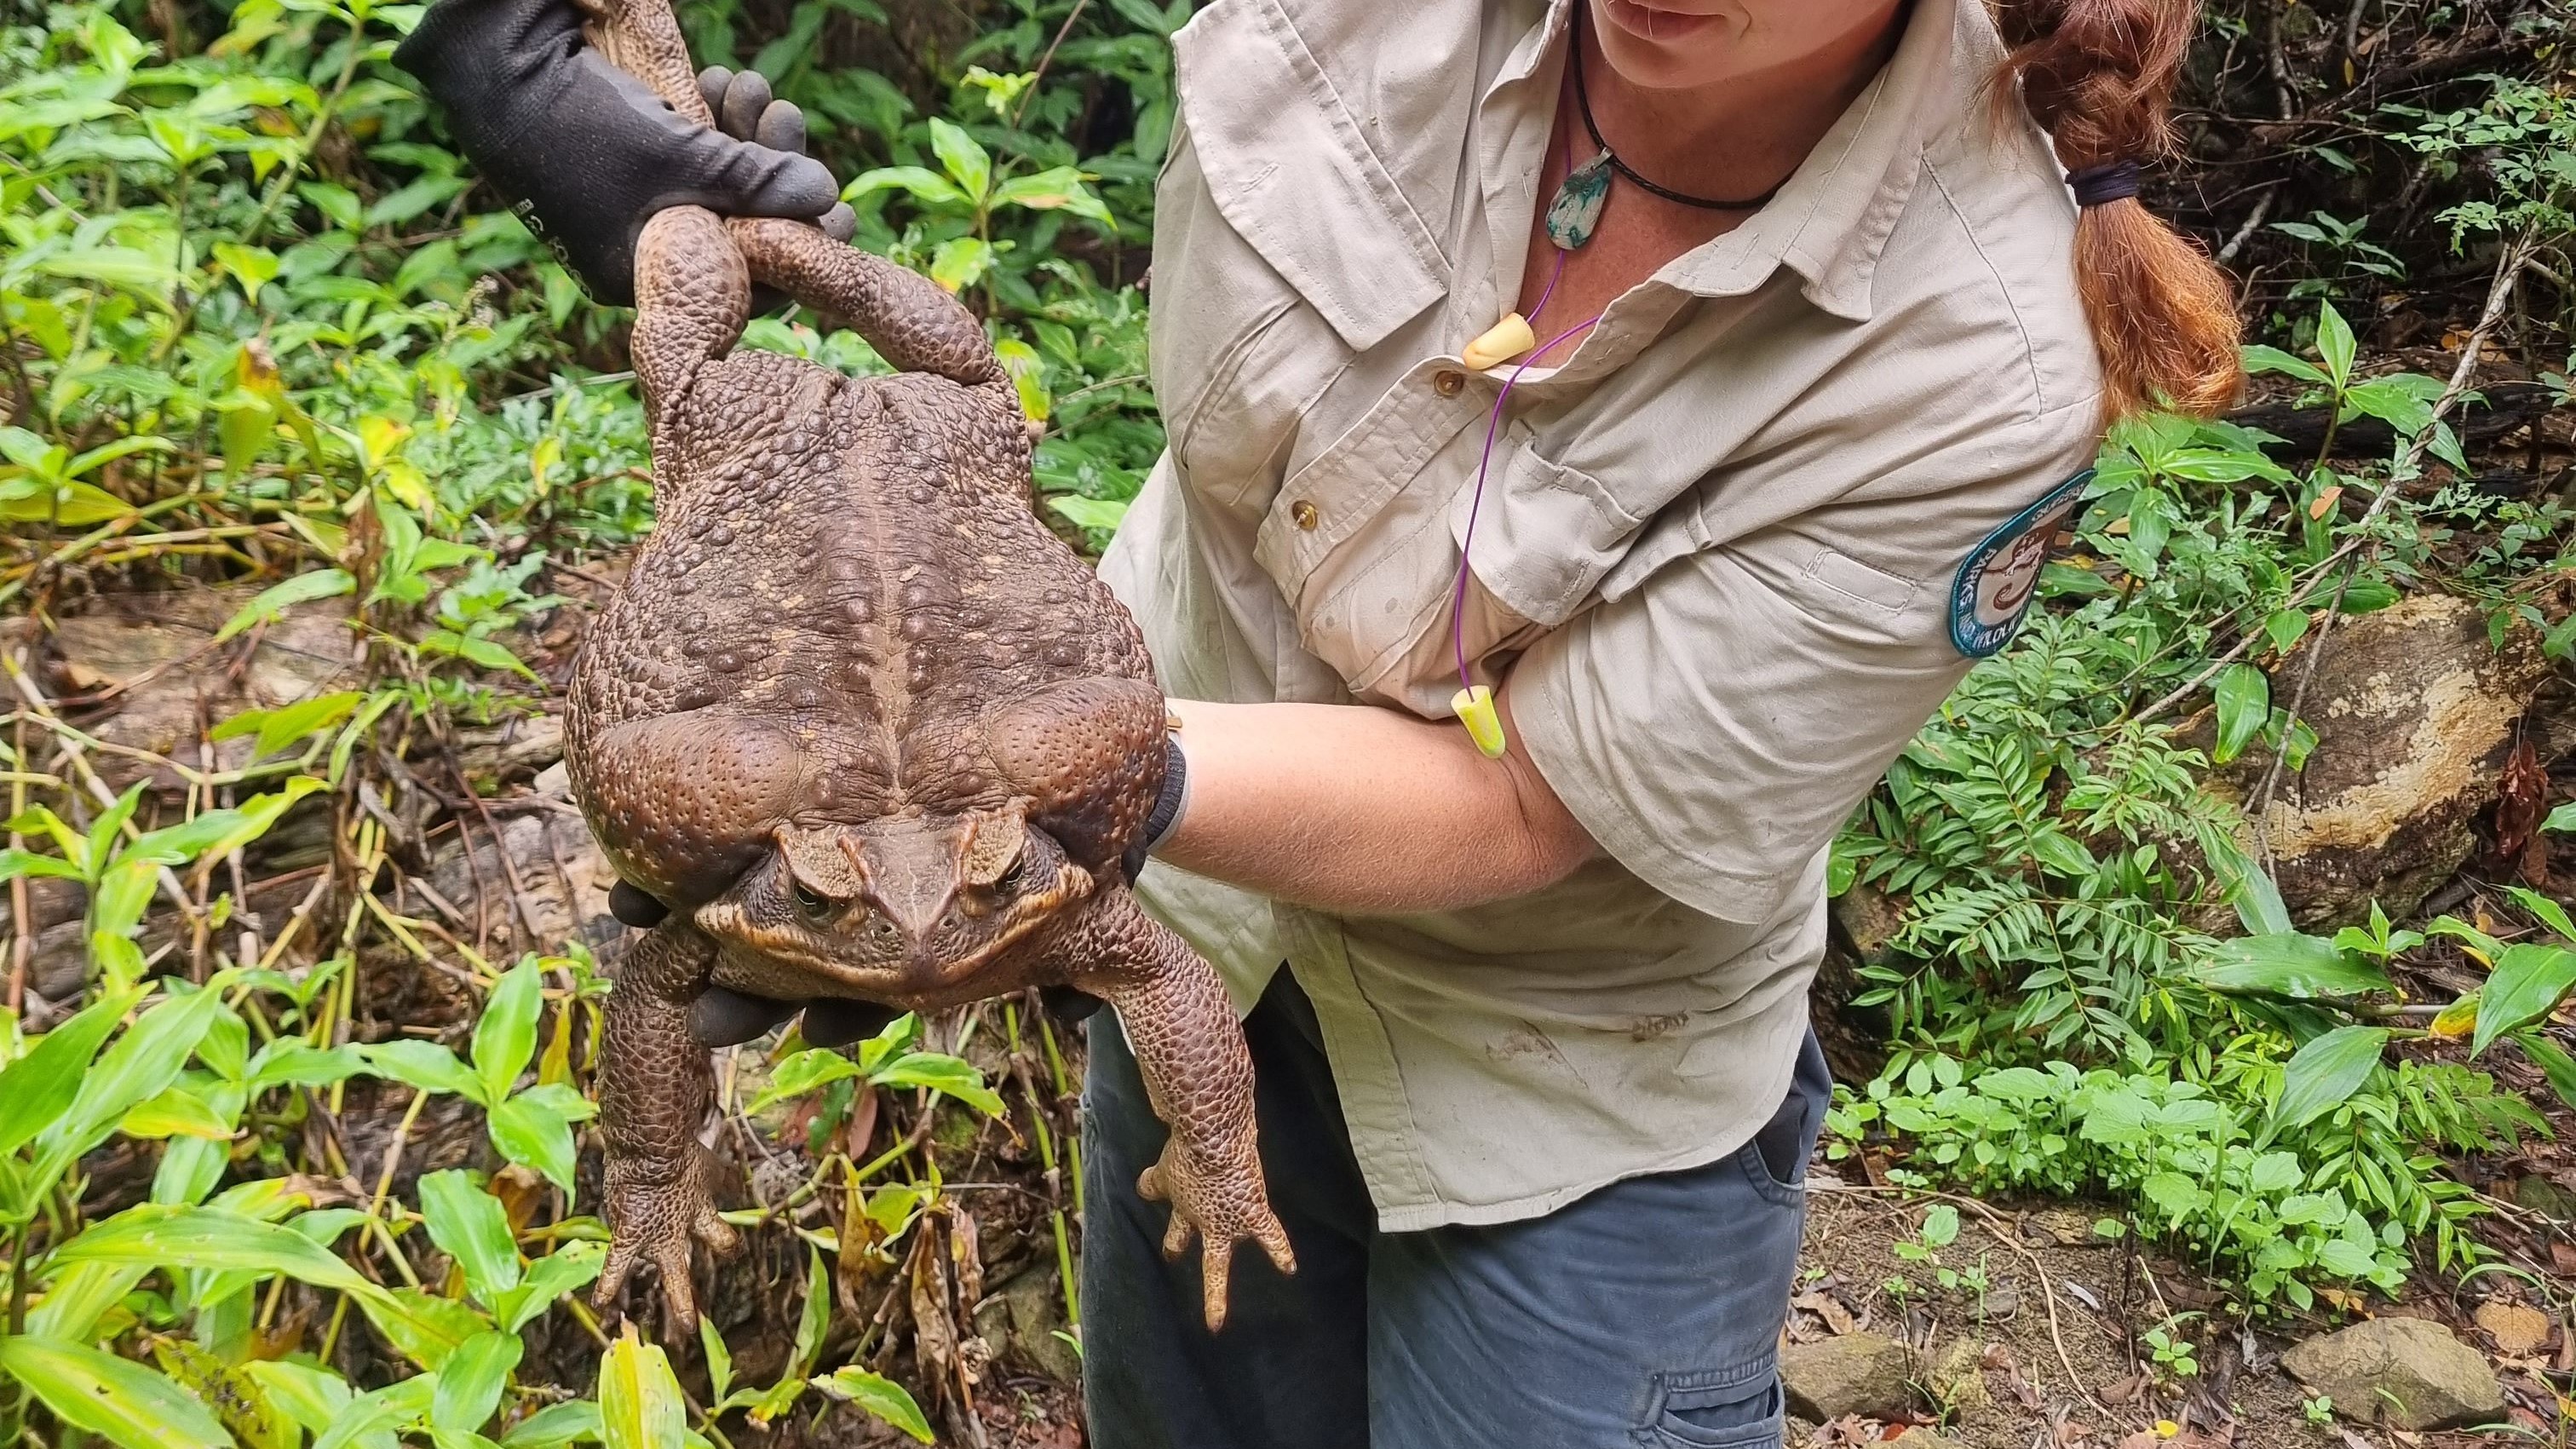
pixel 1647 1313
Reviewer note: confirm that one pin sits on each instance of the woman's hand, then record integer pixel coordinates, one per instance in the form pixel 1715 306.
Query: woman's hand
pixel 588 153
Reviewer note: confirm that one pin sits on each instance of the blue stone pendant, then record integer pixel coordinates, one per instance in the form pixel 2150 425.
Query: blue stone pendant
pixel 1577 207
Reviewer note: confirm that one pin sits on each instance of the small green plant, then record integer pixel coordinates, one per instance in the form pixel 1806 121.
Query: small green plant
pixel 2319 1410
pixel 2169 1353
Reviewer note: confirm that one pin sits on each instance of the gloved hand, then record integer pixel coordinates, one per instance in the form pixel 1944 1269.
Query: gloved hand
pixel 588 153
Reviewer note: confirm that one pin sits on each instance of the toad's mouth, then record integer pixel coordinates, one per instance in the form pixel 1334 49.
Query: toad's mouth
pixel 865 954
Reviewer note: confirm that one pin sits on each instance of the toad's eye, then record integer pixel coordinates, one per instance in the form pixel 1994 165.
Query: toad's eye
pixel 815 907
pixel 1009 879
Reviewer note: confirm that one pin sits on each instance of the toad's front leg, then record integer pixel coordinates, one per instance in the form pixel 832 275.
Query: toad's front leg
pixel 1189 1048
pixel 653 1091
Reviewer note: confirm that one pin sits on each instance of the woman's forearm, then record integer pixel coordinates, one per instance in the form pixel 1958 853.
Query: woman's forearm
pixel 1363 810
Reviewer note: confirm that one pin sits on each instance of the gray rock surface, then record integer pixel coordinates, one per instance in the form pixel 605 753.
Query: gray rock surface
pixel 1020 1319
pixel 1851 1373
pixel 2409 1373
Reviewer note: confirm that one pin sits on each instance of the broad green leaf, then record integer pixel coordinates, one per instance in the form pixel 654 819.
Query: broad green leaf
pixel 252 267
pixel 2275 1173
pixel 37 1087
pixel 962 158
pixel 422 1327
pixel 117 1399
pixel 1057 187
pixel 555 1424
pixel 471 1381
pixel 878 1395
pixel 2286 627
pixel 802 1072
pixel 368 1419
pixel 80 1296
pixel 293 1061
pixel 567 1269
pixel 278 598
pixel 215 834
pixel 2251 890
pixel 2553 1061
pixel 2334 344
pixel 310 1396
pixel 534 1129
pixel 175 1112
pixel 147 1058
pixel 719 1358
pixel 960 262
pixel 2562 819
pixel 2322 1075
pixel 208 1239
pixel 469 1225
pixel 506 1037
pixel 2289 963
pixel 2525 986
pixel 952 1076
pixel 423 1064
pixel 278 728
pixel 2551 914
pixel 2244 702
pixel 1028 377
pixel 2365 596
pixel 1103 513
pixel 923 184
pixel 639 1401
pixel 101 846
pixel 15 863
pixel 68 504
pixel 2258 358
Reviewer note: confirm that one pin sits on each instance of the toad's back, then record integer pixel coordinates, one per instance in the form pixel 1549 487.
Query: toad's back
pixel 836 558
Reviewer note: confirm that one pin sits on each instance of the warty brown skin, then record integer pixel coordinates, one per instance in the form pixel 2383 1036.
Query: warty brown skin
pixel 865 725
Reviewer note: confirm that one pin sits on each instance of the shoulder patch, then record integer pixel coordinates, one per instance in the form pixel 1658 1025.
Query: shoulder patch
pixel 1996 580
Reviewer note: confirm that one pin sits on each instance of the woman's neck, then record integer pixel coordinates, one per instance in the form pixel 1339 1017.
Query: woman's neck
pixel 1743 134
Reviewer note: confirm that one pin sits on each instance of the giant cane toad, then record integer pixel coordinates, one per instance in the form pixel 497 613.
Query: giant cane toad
pixel 862 722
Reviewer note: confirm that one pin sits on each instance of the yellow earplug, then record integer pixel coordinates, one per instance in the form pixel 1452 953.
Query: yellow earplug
pixel 1475 709
pixel 1499 343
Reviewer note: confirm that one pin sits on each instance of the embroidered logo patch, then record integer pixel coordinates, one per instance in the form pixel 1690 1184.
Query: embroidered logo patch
pixel 1999 576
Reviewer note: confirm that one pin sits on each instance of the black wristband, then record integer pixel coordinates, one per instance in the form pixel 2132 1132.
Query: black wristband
pixel 1169 802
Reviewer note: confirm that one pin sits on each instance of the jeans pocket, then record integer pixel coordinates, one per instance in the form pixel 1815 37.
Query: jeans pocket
pixel 1694 1412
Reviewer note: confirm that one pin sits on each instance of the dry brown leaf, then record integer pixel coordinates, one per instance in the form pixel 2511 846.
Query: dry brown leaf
pixel 2143 1439
pixel 2123 1390
pixel 2516 1328
pixel 1829 1308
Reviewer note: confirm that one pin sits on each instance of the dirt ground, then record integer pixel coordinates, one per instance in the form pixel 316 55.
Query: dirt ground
pixel 2059 1363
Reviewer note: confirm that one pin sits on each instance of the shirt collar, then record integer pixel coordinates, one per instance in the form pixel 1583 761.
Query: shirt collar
pixel 1833 217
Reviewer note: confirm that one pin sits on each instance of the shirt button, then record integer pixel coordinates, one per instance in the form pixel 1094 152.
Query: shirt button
pixel 1448 383
pixel 1303 512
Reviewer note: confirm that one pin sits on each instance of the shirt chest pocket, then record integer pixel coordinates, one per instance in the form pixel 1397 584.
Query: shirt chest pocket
pixel 1293 243
pixel 1388 607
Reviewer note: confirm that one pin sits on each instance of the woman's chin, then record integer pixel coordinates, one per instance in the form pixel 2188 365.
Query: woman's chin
pixel 1658 49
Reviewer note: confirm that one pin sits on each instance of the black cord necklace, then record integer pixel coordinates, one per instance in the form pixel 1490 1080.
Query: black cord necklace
pixel 1576 210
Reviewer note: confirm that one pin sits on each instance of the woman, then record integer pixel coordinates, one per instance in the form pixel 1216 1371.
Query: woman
pixel 1818 345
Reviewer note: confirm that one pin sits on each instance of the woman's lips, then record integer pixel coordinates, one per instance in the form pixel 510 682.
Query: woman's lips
pixel 1648 22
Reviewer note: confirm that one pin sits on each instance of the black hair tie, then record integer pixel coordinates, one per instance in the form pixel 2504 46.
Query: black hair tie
pixel 2110 181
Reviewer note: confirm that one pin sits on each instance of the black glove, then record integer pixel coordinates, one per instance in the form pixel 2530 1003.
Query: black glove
pixel 588 153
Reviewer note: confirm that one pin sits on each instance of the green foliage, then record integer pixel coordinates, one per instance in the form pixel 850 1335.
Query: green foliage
pixel 2066 1015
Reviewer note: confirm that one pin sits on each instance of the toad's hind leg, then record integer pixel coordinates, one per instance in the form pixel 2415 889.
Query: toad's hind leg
pixel 1189 1049
pixel 904 315
pixel 653 1092
pixel 643 39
